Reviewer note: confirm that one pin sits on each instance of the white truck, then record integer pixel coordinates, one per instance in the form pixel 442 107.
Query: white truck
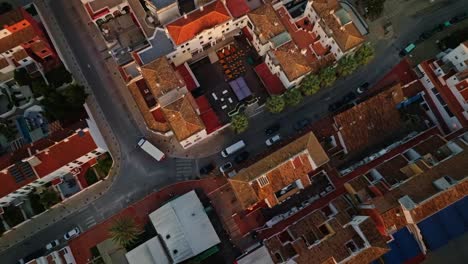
pixel 151 149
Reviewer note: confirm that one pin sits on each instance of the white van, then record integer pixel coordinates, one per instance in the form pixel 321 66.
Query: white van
pixel 233 148
pixel 151 149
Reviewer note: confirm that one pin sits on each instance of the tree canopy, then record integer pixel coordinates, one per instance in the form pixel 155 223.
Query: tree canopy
pixel 66 104
pixel 310 85
pixel 275 104
pixel 364 54
pixel 346 65
pixel 327 76
pixel 293 97
pixel 49 198
pixel 124 231
pixel 239 123
pixel 374 8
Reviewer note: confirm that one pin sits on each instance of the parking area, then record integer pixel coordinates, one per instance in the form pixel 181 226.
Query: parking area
pixel 227 79
pixel 430 43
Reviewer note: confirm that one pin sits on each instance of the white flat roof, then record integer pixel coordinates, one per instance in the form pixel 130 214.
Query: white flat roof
pixel 184 227
pixel 150 252
pixel 258 256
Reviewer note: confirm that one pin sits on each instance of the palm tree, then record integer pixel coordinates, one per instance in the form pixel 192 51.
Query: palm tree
pixel 275 104
pixel 124 231
pixel 239 123
pixel 327 76
pixel 310 85
pixel 293 97
pixel 364 54
pixel 346 65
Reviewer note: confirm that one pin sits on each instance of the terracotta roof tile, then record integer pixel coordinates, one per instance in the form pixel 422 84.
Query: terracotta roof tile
pixel 64 152
pixel 23 33
pixel 20 54
pixel 370 121
pixel 237 8
pixel 293 63
pixel 11 17
pixel 346 36
pixel 420 187
pixel 184 29
pixel 145 103
pixel 182 117
pixel 161 77
pixel 266 22
pixel 279 169
pixel 3 63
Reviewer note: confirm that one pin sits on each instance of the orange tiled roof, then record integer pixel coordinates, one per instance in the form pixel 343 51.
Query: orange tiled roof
pixel 64 152
pixel 184 29
pixel 18 33
pixel 161 77
pixel 278 167
pixel 266 22
pixel 292 61
pixel 370 121
pixel 3 63
pixel 346 36
pixel 182 117
pixel 20 54
pixel 144 104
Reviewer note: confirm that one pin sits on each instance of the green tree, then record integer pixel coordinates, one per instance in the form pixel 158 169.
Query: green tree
pixel 239 123
pixel 275 104
pixel 22 77
pixel 58 76
pixel 346 65
pixel 40 88
pixel 65 105
pixel 310 85
pixel 49 197
pixel 374 8
pixel 76 95
pixel 124 231
pixel 327 76
pixel 293 97
pixel 364 54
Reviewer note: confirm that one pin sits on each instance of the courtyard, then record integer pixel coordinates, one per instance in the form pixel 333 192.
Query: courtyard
pixel 228 81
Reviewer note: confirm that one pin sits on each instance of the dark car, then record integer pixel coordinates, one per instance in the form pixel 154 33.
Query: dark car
pixel 335 106
pixel 301 124
pixel 361 89
pixel 207 169
pixel 243 156
pixel 349 97
pixel 272 129
pixel 458 18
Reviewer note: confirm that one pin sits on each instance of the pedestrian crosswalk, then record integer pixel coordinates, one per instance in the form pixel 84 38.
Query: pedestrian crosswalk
pixel 184 169
pixel 89 222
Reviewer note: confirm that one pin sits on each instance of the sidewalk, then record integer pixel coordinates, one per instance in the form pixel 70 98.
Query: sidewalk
pixel 86 196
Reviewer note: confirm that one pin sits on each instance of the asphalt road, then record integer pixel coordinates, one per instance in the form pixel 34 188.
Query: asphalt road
pixel 140 174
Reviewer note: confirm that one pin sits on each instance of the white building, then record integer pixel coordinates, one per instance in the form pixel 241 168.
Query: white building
pixel 446 87
pixel 164 10
pixel 184 231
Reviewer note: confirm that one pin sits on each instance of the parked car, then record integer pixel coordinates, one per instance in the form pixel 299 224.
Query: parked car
pixel 272 129
pixel 301 124
pixel 349 97
pixel 459 18
pixel 335 106
pixel 207 169
pixel 52 244
pixel 243 156
pixel 272 140
pixel 407 49
pixel 225 167
pixel 362 88
pixel 72 233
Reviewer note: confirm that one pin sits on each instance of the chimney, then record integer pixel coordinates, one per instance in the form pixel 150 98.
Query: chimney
pixel 275 24
pixel 185 15
pixel 201 8
pixel 332 11
pixel 303 51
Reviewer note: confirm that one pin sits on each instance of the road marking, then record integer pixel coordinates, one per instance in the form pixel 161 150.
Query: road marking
pixel 184 169
pixel 90 221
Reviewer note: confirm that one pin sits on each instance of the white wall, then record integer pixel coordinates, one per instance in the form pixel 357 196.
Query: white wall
pixel 189 142
pixel 452 122
pixel 168 14
pixel 457 57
